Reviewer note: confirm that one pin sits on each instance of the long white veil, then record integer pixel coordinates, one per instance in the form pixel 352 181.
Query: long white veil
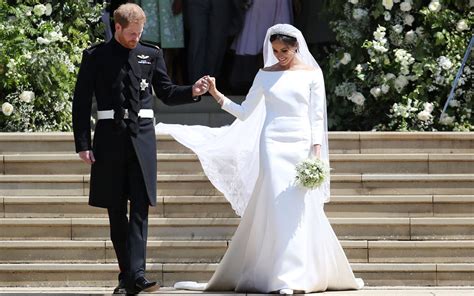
pixel 230 155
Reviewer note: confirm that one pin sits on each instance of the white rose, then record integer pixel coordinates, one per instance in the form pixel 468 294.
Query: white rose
pixel 409 19
pixel 462 26
pixel 434 6
pixel 42 40
pixel 410 36
pixel 346 58
pixel 27 96
pixel 398 28
pixel 354 1
pixel 49 9
pixel 387 16
pixel 388 4
pixel 385 88
pixel 357 98
pixel 400 82
pixel 454 103
pixel 445 63
pixel 424 116
pixel 7 109
pixel 428 107
pixel 39 9
pixel 376 91
pixel 405 6
pixel 447 120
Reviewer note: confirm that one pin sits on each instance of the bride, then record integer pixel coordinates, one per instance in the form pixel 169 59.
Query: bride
pixel 284 242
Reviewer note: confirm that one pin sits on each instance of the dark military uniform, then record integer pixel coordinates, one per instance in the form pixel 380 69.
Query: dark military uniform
pixel 125 145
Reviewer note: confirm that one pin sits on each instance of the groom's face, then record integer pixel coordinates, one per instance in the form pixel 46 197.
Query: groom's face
pixel 284 53
pixel 130 35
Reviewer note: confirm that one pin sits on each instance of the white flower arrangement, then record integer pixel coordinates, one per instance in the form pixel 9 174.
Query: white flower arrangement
pixel 7 109
pixel 311 173
pixel 27 96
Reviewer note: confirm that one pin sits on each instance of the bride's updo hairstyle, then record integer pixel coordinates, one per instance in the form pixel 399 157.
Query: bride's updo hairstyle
pixel 288 40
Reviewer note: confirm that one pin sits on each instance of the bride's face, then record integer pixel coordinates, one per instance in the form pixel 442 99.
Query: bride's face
pixel 284 53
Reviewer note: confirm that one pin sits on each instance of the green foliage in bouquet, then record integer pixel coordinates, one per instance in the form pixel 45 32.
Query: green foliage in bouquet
pixel 395 63
pixel 41 44
pixel 311 173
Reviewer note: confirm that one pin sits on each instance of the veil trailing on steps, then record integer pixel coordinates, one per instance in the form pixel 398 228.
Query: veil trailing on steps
pixel 230 155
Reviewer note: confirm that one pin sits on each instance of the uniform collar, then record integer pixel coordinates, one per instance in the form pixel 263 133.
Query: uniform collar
pixel 119 46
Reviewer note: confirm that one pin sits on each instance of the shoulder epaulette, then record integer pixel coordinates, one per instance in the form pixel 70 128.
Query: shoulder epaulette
pixel 95 46
pixel 154 46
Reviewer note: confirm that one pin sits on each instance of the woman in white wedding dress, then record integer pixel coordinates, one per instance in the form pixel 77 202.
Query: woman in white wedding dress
pixel 284 242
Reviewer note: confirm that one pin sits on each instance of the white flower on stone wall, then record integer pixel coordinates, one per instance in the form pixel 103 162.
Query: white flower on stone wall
pixel 28 11
pixel 376 91
pixel 420 31
pixel 388 4
pixel 428 107
pixel 400 83
pixel 7 108
pixel 446 120
pixel 385 88
pixel 462 26
pixel 39 9
pixel 27 96
pixel 434 6
pixel 42 40
pixel 410 36
pixel 409 19
pixel 424 116
pixel 405 6
pixel 389 76
pixel 398 28
pixel 359 14
pixel 379 34
pixel 357 98
pixel 49 9
pixel 354 1
pixel 454 103
pixel 387 16
pixel 346 58
pixel 445 63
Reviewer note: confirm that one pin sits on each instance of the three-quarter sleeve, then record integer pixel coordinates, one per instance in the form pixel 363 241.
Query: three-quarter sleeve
pixel 251 101
pixel 317 105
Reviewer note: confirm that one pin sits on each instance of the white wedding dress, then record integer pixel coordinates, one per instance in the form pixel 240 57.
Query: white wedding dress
pixel 284 240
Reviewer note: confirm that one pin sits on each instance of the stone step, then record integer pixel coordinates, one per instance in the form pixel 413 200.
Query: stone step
pixel 223 228
pixel 339 142
pixel 101 251
pixel 185 163
pixel 179 185
pixel 363 206
pixel 89 275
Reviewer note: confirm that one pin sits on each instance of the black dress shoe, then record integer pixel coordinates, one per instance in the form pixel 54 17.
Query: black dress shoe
pixel 121 288
pixel 142 284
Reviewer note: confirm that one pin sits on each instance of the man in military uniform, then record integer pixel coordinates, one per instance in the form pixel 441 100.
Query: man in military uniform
pixel 121 74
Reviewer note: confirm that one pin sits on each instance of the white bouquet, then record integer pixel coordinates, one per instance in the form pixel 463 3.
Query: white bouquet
pixel 312 172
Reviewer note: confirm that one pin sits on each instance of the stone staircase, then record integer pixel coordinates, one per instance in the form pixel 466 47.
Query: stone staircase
pixel 402 206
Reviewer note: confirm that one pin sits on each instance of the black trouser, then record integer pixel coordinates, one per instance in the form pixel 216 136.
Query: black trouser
pixel 129 236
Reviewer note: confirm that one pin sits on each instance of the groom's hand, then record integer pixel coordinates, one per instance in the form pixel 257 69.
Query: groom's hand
pixel 87 156
pixel 200 87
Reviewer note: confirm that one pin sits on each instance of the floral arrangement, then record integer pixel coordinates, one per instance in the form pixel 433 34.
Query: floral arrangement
pixel 311 173
pixel 41 45
pixel 395 64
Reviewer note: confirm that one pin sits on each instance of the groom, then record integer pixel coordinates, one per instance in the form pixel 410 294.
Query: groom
pixel 121 74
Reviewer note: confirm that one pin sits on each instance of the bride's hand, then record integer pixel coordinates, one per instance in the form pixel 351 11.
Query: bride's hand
pixel 211 81
pixel 317 151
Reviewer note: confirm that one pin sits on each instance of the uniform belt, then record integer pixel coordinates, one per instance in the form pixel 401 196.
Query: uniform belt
pixel 109 114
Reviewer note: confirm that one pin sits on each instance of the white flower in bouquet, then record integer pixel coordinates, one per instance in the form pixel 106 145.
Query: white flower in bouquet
pixel 444 63
pixel 388 4
pixel 462 26
pixel 27 96
pixel 359 14
pixel 428 107
pixel 398 28
pixel 434 6
pixel 408 19
pixel 376 91
pixel 410 36
pixel 379 34
pixel 447 120
pixel 387 16
pixel 424 116
pixel 400 83
pixel 354 1
pixel 49 9
pixel 357 98
pixel 346 58
pixel 39 9
pixel 7 108
pixel 405 6
pixel 454 103
pixel 42 40
pixel 311 173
